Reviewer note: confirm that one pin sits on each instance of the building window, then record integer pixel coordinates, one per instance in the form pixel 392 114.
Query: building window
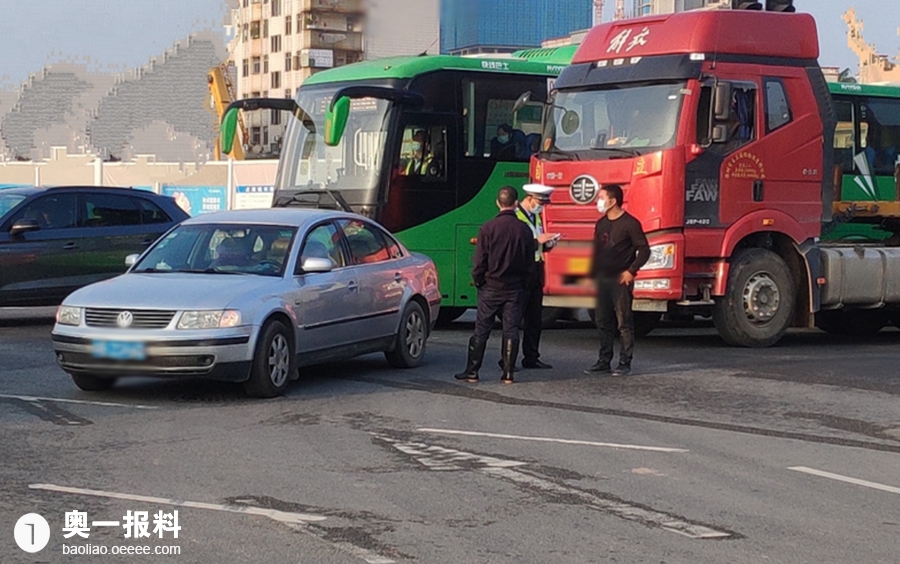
pixel 245 33
pixel 287 93
pixel 276 8
pixel 287 62
pixel 265 28
pixel 254 30
pixel 254 135
pixel 246 3
pixel 299 23
pixel 287 25
pixel 276 43
pixel 255 65
pixel 275 117
pixel 265 64
pixel 276 80
pixel 255 94
pixel 246 68
pixel 265 135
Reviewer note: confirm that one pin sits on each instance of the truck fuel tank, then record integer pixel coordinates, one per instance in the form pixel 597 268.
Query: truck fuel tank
pixel 860 276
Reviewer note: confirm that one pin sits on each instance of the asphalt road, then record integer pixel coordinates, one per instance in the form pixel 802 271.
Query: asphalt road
pixel 706 455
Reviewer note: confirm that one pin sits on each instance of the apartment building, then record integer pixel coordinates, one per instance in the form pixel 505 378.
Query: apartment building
pixel 277 44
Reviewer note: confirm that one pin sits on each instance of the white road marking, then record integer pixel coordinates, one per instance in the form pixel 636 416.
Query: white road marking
pixel 280 516
pixel 439 458
pixel 363 554
pixel 849 480
pixel 550 440
pixel 83 402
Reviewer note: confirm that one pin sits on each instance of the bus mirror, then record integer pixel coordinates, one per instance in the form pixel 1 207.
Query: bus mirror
pixel 227 130
pixel 723 100
pixel 336 120
pixel 523 99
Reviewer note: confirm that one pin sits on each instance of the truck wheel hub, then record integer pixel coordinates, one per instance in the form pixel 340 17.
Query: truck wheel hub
pixel 761 298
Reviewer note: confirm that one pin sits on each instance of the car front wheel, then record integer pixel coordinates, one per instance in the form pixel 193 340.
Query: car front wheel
pixel 411 338
pixel 91 383
pixel 273 362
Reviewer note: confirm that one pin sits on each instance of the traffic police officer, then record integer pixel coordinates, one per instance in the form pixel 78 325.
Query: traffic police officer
pixel 504 260
pixel 529 211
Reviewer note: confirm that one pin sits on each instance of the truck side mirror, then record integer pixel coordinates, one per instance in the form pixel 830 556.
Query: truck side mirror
pixel 723 100
pixel 228 130
pixel 719 134
pixel 336 118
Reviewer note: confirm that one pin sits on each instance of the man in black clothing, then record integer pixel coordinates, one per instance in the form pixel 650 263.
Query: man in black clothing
pixel 504 259
pixel 620 250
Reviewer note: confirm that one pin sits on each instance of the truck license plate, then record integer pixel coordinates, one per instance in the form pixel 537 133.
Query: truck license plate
pixel 579 266
pixel 119 350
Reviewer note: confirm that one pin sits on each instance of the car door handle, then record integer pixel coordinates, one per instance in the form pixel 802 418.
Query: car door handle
pixel 70 246
pixel 351 286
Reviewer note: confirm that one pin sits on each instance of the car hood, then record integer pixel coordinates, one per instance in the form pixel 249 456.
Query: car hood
pixel 171 291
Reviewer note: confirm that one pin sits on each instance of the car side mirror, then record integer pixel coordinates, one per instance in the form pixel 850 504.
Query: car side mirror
pixel 130 260
pixel 316 265
pixel 24 226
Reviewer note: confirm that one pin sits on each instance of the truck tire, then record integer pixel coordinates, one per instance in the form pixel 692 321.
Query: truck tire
pixel 758 304
pixel 855 323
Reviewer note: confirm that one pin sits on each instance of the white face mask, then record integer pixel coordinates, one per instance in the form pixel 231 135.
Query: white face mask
pixel 416 146
pixel 602 206
pixel 538 209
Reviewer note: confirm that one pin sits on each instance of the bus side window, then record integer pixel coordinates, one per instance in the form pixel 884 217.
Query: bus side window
pixel 844 136
pixel 491 127
pixel 879 135
pixel 423 153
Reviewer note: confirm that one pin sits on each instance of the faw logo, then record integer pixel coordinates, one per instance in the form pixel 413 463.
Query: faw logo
pixel 628 41
pixel 703 190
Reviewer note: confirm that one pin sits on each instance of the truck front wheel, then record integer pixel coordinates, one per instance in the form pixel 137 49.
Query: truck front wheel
pixel 758 305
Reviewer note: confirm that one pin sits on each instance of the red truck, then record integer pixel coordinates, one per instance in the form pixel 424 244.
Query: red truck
pixel 768 195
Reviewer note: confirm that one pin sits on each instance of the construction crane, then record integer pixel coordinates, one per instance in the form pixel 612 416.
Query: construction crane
pixel 598 11
pixel 620 9
pixel 222 90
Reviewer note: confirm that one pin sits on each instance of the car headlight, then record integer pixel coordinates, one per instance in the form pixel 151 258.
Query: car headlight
pixel 68 315
pixel 662 257
pixel 209 319
pixel 653 284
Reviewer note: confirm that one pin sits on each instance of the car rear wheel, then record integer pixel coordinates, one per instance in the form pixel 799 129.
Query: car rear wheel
pixel 273 362
pixel 91 383
pixel 411 338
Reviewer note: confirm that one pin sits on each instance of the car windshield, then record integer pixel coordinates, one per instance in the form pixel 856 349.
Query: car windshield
pixel 352 166
pixel 221 249
pixel 633 120
pixel 8 202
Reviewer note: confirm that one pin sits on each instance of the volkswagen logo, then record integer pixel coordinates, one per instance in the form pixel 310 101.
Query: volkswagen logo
pixel 125 319
pixel 584 189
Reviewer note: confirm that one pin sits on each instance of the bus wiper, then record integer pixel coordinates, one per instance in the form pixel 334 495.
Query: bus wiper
pixel 629 152
pixel 296 198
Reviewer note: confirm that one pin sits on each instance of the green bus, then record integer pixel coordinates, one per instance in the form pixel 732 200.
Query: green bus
pixel 353 146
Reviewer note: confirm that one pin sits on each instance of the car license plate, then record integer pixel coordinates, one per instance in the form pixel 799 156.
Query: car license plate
pixel 579 266
pixel 119 350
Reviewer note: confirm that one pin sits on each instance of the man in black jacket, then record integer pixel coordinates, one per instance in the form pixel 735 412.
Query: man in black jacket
pixel 620 250
pixel 504 260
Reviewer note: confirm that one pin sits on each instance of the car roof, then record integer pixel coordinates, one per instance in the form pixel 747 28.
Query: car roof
pixel 29 190
pixel 276 216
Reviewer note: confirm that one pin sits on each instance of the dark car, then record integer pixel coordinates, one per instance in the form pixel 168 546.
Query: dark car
pixel 56 240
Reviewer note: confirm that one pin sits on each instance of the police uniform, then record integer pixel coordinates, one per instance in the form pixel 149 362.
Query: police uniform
pixel 533 304
pixel 504 261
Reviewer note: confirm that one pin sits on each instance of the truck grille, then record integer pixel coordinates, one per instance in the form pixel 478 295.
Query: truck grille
pixel 140 319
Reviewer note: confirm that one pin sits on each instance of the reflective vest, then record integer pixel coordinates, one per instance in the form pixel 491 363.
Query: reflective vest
pixel 421 167
pixel 537 228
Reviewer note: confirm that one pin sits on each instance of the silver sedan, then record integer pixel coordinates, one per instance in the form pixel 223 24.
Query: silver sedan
pixel 250 296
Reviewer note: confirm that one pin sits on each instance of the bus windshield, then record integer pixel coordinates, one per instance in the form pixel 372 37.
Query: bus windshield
pixel 352 166
pixel 635 120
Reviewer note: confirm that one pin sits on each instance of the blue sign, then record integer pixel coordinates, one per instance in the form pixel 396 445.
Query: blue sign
pixel 197 200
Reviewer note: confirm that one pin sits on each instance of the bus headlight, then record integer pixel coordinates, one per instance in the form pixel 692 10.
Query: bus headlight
pixel 662 257
pixel 653 284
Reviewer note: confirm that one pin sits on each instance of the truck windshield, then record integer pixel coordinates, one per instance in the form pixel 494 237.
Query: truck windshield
pixel 632 120
pixel 352 166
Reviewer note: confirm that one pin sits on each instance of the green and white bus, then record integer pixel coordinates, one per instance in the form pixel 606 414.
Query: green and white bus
pixel 352 145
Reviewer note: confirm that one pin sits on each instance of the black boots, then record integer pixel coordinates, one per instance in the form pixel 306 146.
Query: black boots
pixel 510 352
pixel 473 363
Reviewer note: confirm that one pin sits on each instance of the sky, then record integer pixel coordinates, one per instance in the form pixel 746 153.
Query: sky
pixel 112 35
